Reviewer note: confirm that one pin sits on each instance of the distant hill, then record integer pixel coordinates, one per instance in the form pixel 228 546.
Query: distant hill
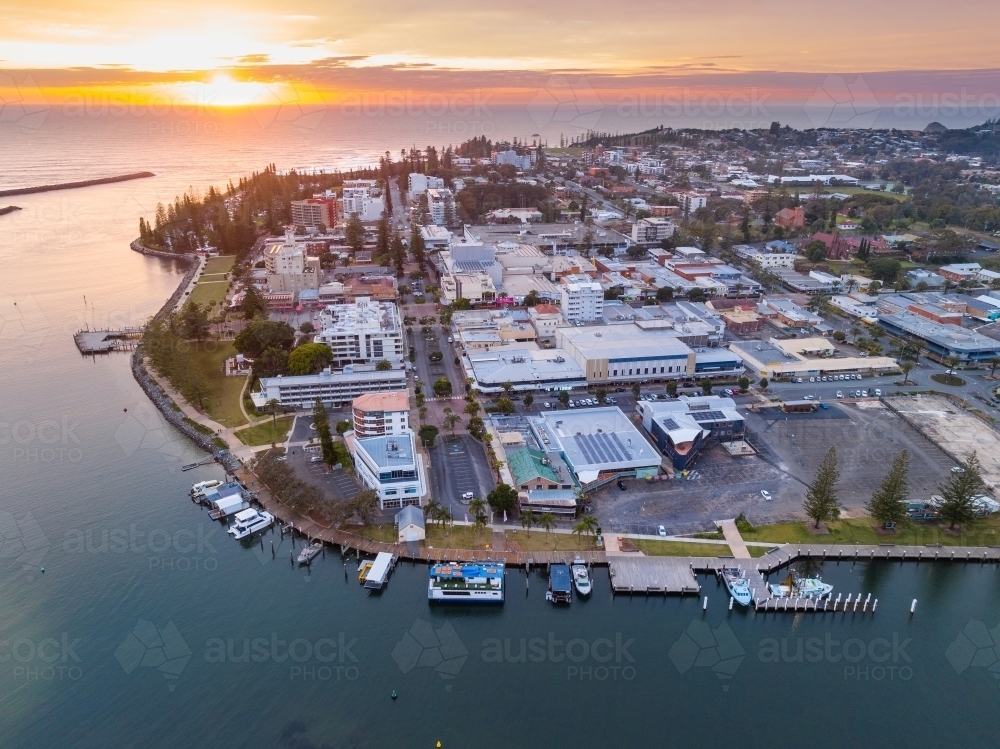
pixel 935 127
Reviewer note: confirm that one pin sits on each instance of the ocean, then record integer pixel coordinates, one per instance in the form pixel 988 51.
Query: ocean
pixel 149 627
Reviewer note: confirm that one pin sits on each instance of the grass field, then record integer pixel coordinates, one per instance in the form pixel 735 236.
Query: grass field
pixel 681 549
pixel 449 537
pixel 856 190
pixel 862 531
pixel 221 264
pixel 539 540
pixel 223 403
pixel 209 291
pixel 266 432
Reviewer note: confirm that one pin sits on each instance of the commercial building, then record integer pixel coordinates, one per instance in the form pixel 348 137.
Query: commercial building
pixel 682 428
pixel 942 341
pixel 959 272
pixel 546 318
pixel 763 258
pixel 365 332
pixel 392 467
pixel 333 388
pixel 418 183
pixel 526 370
pixel 377 414
pixel 318 211
pixel 582 299
pixel 598 445
pixel 805 357
pixel 435 237
pixel 288 268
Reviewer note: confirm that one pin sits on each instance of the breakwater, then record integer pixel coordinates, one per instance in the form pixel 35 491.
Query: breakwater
pixel 74 185
pixel 9 209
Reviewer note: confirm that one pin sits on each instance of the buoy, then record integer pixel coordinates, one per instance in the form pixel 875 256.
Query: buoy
pixel 439 745
pixel 913 606
pixel 704 604
pixel 43 570
pixel 394 695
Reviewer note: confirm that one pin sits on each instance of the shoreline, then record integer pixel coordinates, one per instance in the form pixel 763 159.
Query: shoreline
pixel 161 400
pixel 74 185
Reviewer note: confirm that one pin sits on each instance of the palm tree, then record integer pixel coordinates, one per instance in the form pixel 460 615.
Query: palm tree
pixel 273 405
pixel 451 419
pixel 952 362
pixel 528 520
pixel 905 368
pixel 431 509
pixel 994 363
pixel 478 509
pixel 547 521
pixel 589 524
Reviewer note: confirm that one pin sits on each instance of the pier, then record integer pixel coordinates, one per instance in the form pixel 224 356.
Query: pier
pixel 105 341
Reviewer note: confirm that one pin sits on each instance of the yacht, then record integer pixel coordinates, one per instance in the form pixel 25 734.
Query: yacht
pixel 471 582
pixel 581 577
pixel 249 522
pixel 199 489
pixel 801 587
pixel 737 584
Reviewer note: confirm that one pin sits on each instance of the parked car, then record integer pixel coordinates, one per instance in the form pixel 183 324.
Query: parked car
pixel 766 495
pixel 824 406
pixel 799 379
pixel 840 393
pixel 622 485
pixel 878 393
pixel 810 398
pixel 661 531
pixel 812 379
pixel 315 459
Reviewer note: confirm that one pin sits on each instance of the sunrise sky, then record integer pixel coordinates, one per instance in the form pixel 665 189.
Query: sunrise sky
pixel 229 53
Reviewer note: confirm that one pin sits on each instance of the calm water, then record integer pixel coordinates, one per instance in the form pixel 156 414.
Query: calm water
pixel 134 635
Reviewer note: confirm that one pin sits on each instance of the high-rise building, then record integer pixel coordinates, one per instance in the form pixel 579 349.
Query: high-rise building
pixel 582 299
pixel 365 332
pixel 319 210
pixel 376 414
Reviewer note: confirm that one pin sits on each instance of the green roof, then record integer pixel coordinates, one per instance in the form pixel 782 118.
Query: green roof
pixel 526 465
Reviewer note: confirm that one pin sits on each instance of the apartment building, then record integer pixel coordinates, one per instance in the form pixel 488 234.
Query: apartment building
pixel 582 299
pixel 377 414
pixel 365 332
pixel 319 210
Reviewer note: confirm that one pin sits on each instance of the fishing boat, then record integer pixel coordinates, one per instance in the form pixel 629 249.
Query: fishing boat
pixel 560 590
pixel 737 584
pixel 309 552
pixel 249 522
pixel 363 569
pixel 581 577
pixel 801 587
pixel 470 582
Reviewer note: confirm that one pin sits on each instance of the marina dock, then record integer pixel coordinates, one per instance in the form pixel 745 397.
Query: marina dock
pixel 105 341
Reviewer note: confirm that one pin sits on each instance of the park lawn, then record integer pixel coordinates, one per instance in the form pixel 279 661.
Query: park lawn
pixel 862 531
pixel 223 403
pixel 448 537
pixel 758 551
pixel 205 292
pixel 220 264
pixel 681 549
pixel 856 190
pixel 266 432
pixel 539 540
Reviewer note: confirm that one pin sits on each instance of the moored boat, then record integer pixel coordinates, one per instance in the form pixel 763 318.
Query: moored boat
pixel 471 582
pixel 363 569
pixel 249 522
pixel 581 577
pixel 309 552
pixel 737 584
pixel 560 589
pixel 801 587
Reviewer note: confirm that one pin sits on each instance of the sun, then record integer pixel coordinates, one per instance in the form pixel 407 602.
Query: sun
pixel 223 91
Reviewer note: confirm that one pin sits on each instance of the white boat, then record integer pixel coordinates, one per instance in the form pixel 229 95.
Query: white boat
pixel 470 582
pixel 249 522
pixel 309 552
pixel 581 577
pixel 378 574
pixel 199 489
pixel 737 584
pixel 802 587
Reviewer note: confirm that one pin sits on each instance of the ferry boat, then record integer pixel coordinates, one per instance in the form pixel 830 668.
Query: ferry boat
pixel 560 590
pixel 581 577
pixel 469 582
pixel 801 587
pixel 309 552
pixel 249 522
pixel 737 584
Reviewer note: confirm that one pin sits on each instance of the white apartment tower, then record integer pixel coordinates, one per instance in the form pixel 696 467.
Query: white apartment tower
pixel 582 299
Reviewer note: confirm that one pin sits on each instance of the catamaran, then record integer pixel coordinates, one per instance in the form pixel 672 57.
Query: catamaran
pixel 581 577
pixel 471 582
pixel 249 522
pixel 737 584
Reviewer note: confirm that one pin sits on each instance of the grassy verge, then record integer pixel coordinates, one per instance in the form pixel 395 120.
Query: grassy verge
pixel 862 531
pixel 221 264
pixel 223 403
pixel 267 432
pixel 205 292
pixel 448 537
pixel 681 549
pixel 539 540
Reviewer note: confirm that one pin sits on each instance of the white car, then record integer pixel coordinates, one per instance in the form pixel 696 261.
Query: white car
pixel 812 379
pixel 810 398
pixel 467 496
pixel 840 393
pixel 315 459
pixel 766 495
pixel 878 393
pixel 661 531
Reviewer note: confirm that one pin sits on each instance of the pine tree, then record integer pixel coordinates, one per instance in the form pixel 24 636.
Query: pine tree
pixel 888 503
pixel 322 424
pixel 959 492
pixel 821 497
pixel 382 241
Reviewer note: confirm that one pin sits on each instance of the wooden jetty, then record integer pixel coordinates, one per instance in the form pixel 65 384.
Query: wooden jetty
pixel 105 341
pixel 783 555
pixel 635 574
